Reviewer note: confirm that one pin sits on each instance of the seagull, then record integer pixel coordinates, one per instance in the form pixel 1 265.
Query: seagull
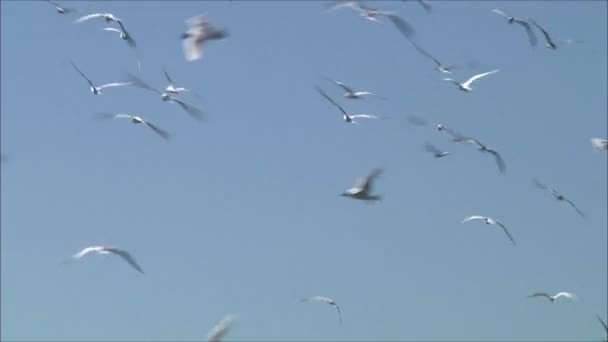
pixel 171 89
pixel 558 196
pixel 603 323
pixel 62 10
pixel 523 23
pixel 425 4
pixel 221 329
pixel 466 86
pixel 345 116
pixel 108 17
pixel 107 250
pixel 363 188
pixel 553 298
pixel 550 43
pixel 599 144
pixel 435 151
pixel 124 35
pixel 491 221
pixel 136 120
pixel 164 96
pixel 325 300
pixel 199 31
pixel 418 121
pixel 444 69
pixel 352 94
pixel 97 90
pixel 483 148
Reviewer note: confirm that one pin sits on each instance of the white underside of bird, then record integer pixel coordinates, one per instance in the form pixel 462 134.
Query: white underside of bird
pixel 551 298
pixel 363 188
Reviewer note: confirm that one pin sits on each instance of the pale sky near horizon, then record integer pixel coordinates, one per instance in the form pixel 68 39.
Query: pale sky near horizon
pixel 242 215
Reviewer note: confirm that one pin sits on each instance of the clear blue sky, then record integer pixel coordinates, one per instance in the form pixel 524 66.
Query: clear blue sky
pixel 242 214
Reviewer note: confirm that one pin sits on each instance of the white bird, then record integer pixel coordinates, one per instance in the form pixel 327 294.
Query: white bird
pixel 511 19
pixel 348 118
pixel 490 221
pixel 558 196
pixel 97 89
pixel 108 17
pixel 599 144
pixel 502 167
pixel 551 44
pixel 553 298
pixel 444 69
pixel 221 329
pixel 325 300
pixel 466 86
pixel 171 89
pixel 165 96
pixel 363 188
pixel 418 121
pixel 199 32
pixel 437 153
pixel 124 35
pixel 110 250
pixel 136 120
pixel 350 93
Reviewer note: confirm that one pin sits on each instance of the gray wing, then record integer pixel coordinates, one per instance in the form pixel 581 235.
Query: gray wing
pixel 528 28
pixel 416 120
pixel 602 322
pixel 422 51
pixel 539 294
pixel 339 314
pixel 330 100
pixel 366 184
pixel 406 29
pixel 539 185
pixel 139 83
pixel 193 111
pixel 426 5
pixel 167 76
pixel 545 33
pixel 580 213
pixel 506 232
pixel 160 132
pixel 499 161
pixel 430 148
pixel 127 257
pixel 82 74
pixel 130 39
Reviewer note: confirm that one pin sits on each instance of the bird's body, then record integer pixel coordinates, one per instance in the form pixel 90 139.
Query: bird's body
pixel 524 23
pixel 599 144
pixel 558 196
pixel 483 148
pixel 348 118
pixel 61 9
pixel 329 301
pixel 97 90
pixel 442 68
pixel 198 33
pixel 350 93
pixel 490 221
pixel 221 329
pixel 466 86
pixel 554 297
pixel 109 250
pixel 363 188
pixel 171 89
pixel 136 120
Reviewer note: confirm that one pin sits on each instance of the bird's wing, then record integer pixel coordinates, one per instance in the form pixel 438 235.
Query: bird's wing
pixel 539 185
pixel 502 167
pixel 539 294
pixel 87 251
pixel 82 74
pixel 317 299
pixel 330 100
pixel 406 29
pixel 104 115
pixel 127 257
pixel 220 329
pixel 367 93
pixel 602 322
pixel 416 120
pixel 430 148
pixel 193 49
pixel 115 84
pixel 364 116
pixel 135 81
pixel 565 294
pixel 478 76
pixel 580 213
pixel 112 29
pixel 339 314
pixel 506 232
pixel 367 182
pixel 89 16
pixel 529 31
pixel 545 33
pixel 168 78
pixel 160 132
pixel 122 116
pixel 473 217
pixel 425 53
pixel 453 81
pixel 599 143
pixel 499 12
pixel 344 86
pixel 340 4
pixel 193 111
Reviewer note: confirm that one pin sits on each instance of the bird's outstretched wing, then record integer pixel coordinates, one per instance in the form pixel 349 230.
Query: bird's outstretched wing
pixel 168 78
pixel 127 257
pixel 539 185
pixel 115 84
pixel 89 16
pixel 193 111
pixel 365 116
pixel 339 315
pixel 478 76
pixel 82 74
pixel 545 33
pixel 473 217
pixel 87 251
pixel 529 31
pixel 602 322
pixel 367 182
pixel 565 294
pixel 502 167
pixel 159 131
pixel 330 100
pixel 136 82
pixel 416 120
pixel 501 13
pixel 578 211
pixel 539 294
pixel 424 53
pixel 406 29
pixel 506 232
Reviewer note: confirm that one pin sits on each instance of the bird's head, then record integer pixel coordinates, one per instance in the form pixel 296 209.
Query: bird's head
pixel 165 97
pixel 510 20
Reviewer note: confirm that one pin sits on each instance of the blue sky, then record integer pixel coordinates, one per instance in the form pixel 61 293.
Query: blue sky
pixel 241 214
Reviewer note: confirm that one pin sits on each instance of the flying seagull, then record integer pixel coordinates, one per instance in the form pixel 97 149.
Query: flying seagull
pixel 558 196
pixel 551 44
pixel 351 93
pixel 483 148
pixel 599 144
pixel 62 10
pixel 345 116
pixel 418 121
pixel 198 33
pixel 363 188
pixel 325 300
pixel 221 329
pixel 603 323
pixel 97 89
pixel 523 23
pixel 136 120
pixel 165 96
pixel 124 35
pixel 108 17
pixel 490 221
pixel 424 3
pixel 553 298
pixel 437 153
pixel 109 250
pixel 466 86
pixel 444 69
